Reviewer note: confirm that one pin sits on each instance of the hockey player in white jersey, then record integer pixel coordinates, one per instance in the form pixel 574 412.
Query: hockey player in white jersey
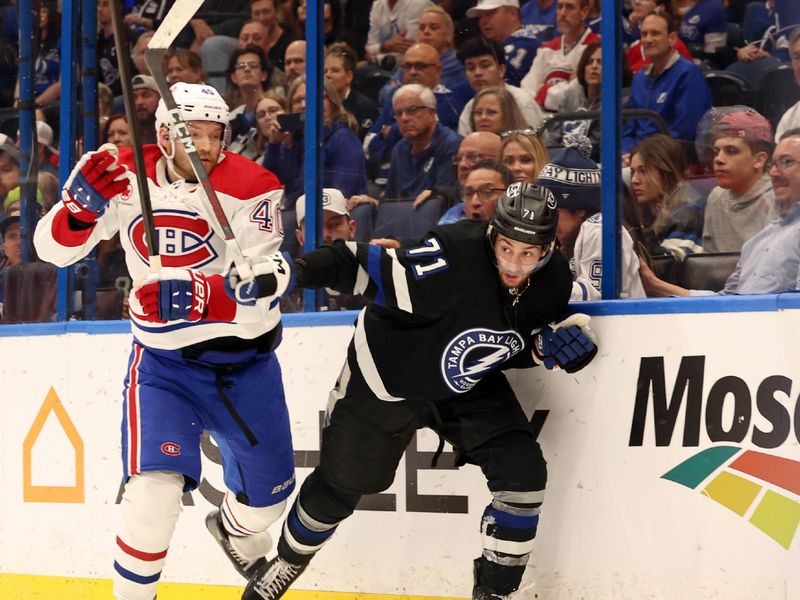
pixel 197 354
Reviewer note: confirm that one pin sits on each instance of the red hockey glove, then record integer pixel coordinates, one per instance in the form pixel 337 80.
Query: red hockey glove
pixel 93 182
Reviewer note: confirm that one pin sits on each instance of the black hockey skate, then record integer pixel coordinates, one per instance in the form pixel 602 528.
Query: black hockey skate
pixel 482 593
pixel 242 565
pixel 270 582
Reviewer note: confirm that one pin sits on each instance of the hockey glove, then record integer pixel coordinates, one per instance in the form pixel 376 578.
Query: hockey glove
pixel 173 295
pixel 93 182
pixel 274 276
pixel 569 344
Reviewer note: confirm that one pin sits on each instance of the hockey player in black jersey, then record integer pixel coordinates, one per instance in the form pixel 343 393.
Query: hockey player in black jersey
pixel 447 316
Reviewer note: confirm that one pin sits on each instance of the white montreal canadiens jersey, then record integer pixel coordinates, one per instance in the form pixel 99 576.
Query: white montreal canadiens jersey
pixel 188 237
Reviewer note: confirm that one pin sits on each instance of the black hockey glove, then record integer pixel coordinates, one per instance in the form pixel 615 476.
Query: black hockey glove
pixel 569 344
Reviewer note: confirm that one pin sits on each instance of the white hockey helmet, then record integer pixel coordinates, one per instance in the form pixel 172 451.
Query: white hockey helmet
pixel 196 102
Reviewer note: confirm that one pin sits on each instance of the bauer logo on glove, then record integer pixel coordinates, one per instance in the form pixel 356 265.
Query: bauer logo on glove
pixel 569 344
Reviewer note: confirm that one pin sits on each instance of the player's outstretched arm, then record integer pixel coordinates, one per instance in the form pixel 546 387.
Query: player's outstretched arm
pixel 569 344
pixel 61 238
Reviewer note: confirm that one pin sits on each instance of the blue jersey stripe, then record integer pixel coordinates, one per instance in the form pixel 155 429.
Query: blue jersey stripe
pixel 374 270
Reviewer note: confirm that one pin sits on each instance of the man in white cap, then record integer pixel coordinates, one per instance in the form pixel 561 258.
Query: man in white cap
pixel 500 21
pixel 45 148
pixel 336 225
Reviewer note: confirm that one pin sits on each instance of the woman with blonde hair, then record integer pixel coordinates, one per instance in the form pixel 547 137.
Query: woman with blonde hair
pixel 495 110
pixel 662 214
pixel 344 167
pixel 268 108
pixel 524 154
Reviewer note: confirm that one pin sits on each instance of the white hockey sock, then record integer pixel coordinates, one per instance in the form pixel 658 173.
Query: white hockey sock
pixel 247 525
pixel 149 510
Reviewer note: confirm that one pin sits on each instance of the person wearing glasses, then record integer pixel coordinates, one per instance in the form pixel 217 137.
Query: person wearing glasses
pixel 249 71
pixel 485 65
pixel 481 188
pixel 268 108
pixel 423 159
pixel 770 260
pixel 494 110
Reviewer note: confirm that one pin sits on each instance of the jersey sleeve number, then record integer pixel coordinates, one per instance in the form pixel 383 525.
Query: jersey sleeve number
pixel 262 216
pixel 427 258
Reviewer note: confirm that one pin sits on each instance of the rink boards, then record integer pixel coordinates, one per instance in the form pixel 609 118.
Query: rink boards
pixel 674 467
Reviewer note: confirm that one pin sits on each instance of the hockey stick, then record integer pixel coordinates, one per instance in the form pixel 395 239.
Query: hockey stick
pixel 177 18
pixel 124 58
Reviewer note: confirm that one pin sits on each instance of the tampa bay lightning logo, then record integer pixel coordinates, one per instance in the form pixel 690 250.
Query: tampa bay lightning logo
pixel 474 353
pixel 184 239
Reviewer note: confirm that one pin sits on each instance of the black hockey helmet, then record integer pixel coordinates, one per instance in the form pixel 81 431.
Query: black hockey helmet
pixel 527 213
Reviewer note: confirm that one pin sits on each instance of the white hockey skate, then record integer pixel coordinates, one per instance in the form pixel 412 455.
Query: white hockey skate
pixel 272 582
pixel 245 567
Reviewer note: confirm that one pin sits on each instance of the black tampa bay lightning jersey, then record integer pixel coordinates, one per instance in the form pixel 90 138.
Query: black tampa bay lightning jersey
pixel 439 320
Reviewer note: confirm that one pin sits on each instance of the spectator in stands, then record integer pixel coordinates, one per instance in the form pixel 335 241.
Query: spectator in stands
pixel 46 153
pixel 294 20
pixel 475 147
pixel 267 111
pixel 663 216
pixel 485 66
pixel 632 34
pixel 556 60
pixel 437 30
pixel 9 165
pixel 500 21
pixel 770 260
pixel 524 154
pixel 263 29
pixel 48 190
pixel 495 110
pixel 116 131
pixel 704 25
pixel 336 225
pixel 183 65
pixel 739 140
pixel 294 61
pixel 145 102
pixel 574 179
pixel 791 118
pixel 220 18
pixel 340 67
pixel 249 71
pixel 47 70
pixel 105 103
pixel 423 159
pixel 108 65
pixel 343 157
pixel 147 14
pixel 541 14
pixel 12 245
pixel 137 54
pixel 421 65
pixel 483 185
pixel 671 86
pixel 393 27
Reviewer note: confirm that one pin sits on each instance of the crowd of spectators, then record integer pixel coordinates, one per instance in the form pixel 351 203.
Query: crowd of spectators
pixel 437 106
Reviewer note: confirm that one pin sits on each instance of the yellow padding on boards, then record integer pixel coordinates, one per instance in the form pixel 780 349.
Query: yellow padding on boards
pixel 41 587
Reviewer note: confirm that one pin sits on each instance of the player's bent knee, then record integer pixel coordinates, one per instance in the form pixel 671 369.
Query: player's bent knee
pixel 150 508
pixel 241 519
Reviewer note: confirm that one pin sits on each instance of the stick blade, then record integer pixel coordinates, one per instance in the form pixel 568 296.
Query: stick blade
pixel 177 18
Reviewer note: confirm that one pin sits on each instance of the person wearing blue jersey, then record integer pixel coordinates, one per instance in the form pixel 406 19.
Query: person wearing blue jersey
pixel 704 28
pixel 671 86
pixel 500 21
pixel 541 14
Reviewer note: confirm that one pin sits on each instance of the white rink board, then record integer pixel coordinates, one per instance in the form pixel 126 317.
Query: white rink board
pixel 611 526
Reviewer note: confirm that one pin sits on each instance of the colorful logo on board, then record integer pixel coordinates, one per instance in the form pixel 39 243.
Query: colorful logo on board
pixel 762 488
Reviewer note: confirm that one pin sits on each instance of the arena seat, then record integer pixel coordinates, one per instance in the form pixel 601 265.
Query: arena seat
pixel 401 221
pixel 707 270
pixel 777 92
pixel 369 82
pixel 727 88
pixel 364 216
pixel 665 267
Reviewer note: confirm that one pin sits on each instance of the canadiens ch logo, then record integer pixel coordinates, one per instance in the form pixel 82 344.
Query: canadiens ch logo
pixel 184 239
pixel 473 353
pixel 171 449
